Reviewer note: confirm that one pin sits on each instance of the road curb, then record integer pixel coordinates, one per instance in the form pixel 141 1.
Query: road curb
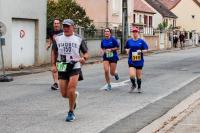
pixel 173 116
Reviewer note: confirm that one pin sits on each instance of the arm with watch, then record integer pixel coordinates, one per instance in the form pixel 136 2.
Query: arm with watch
pixel 84 58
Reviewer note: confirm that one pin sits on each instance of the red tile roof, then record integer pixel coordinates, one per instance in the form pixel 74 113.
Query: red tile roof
pixel 169 3
pixel 142 7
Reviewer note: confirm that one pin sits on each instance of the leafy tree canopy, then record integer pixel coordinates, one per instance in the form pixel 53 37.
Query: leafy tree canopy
pixel 64 9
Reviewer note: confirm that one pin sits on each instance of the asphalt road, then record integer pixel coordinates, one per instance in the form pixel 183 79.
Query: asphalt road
pixel 27 105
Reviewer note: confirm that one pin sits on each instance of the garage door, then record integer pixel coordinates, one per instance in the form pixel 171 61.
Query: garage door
pixel 23 42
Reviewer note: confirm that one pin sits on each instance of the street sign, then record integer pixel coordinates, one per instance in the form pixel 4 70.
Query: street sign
pixel 2 29
pixel 3 42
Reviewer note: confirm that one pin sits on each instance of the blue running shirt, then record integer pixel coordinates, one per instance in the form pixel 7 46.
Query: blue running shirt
pixel 134 58
pixel 108 44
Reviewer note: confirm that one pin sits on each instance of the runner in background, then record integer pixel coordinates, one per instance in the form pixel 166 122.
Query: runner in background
pixel 109 47
pixel 56 31
pixel 135 48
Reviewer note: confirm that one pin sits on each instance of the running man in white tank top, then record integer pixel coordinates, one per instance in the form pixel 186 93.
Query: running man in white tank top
pixel 67 60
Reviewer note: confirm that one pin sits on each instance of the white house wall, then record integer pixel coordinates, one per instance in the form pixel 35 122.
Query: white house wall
pixel 157 19
pixel 24 9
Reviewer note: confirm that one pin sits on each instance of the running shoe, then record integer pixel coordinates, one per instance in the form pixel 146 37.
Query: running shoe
pixel 139 90
pixel 54 87
pixel 132 88
pixel 116 76
pixel 108 88
pixel 76 99
pixel 70 117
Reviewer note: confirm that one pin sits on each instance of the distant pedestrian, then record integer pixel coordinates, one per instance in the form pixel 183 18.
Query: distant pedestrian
pixel 135 48
pixel 175 41
pixel 182 40
pixel 109 47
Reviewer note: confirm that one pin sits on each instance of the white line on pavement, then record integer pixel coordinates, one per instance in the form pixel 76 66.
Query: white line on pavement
pixel 115 85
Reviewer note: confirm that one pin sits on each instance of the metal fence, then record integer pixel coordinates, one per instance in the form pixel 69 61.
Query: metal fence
pixel 97 33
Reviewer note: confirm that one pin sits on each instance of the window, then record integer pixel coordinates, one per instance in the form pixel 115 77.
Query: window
pixel 133 18
pixel 174 23
pixel 150 21
pixel 145 20
pixel 166 21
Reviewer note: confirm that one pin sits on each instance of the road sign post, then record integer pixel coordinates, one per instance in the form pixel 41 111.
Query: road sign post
pixel 4 77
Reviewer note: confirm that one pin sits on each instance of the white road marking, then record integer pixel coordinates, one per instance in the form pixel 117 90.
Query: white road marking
pixel 115 85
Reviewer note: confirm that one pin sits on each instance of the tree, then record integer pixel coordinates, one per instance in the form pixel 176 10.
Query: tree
pixel 162 26
pixel 64 9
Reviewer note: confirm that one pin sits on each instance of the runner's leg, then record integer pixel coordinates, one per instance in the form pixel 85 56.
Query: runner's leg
pixel 106 71
pixel 63 88
pixel 113 67
pixel 139 78
pixel 113 70
pixel 107 76
pixel 132 74
pixel 55 79
pixel 71 91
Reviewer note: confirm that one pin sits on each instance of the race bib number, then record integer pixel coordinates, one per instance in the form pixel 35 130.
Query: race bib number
pixel 62 67
pixel 109 54
pixel 135 56
pixel 67 49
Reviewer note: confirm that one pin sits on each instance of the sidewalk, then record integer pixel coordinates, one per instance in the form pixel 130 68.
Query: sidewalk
pixel 189 124
pixel 47 67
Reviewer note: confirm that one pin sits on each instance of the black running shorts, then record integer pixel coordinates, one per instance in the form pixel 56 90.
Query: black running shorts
pixel 111 61
pixel 136 67
pixel 67 75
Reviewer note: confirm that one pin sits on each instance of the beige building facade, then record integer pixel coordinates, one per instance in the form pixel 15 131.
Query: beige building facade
pixel 106 11
pixel 188 13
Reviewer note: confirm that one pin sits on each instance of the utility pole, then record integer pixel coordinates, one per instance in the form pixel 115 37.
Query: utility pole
pixel 124 24
pixel 107 8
